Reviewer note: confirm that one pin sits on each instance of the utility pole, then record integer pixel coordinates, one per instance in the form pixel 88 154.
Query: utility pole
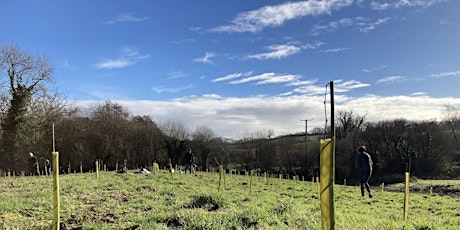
pixel 306 136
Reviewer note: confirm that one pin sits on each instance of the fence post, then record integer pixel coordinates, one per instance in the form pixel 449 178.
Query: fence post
pixel 406 197
pixel 327 166
pixel 56 200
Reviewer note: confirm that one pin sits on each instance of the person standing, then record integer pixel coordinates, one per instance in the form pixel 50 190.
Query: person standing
pixel 189 161
pixel 364 162
pixel 35 170
pixel 48 167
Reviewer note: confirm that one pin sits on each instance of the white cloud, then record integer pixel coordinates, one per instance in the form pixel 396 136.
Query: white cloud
pixel 331 26
pixel 313 46
pixel 308 90
pixel 336 50
pixel 268 78
pixel 206 59
pixel 230 117
pixel 416 94
pixel 271 16
pixel 163 89
pixel 386 4
pixel 126 17
pixel 232 76
pixel 113 64
pixel 345 86
pixel 391 79
pixel 360 23
pixel 368 26
pixel 378 68
pixel 446 74
pixel 277 52
pixel 128 56
pixel 176 74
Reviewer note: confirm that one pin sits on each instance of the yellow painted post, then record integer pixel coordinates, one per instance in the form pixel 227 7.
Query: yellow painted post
pixel 250 182
pixel 406 197
pixel 156 169
pixel 81 167
pixel 223 175
pixel 319 187
pixel 327 172
pixel 220 177
pixel 56 202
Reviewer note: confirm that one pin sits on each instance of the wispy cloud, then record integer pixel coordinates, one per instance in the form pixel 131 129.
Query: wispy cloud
pixel 391 79
pixel 359 23
pixel 284 50
pixel 336 50
pixel 102 91
pixel 206 59
pixel 272 16
pixel 176 74
pixel 331 26
pixel 307 90
pixel 368 26
pixel 340 86
pixel 276 52
pixel 164 89
pixel 126 17
pixel 417 94
pixel 232 76
pixel 127 57
pixel 268 78
pixel 386 4
pixel 345 86
pixel 446 74
pixel 66 64
pixel 313 46
pixel 374 69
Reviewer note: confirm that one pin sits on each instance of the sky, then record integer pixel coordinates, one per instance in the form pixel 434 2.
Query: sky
pixel 240 67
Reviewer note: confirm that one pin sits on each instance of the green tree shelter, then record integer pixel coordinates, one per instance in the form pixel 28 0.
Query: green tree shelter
pixel 23 75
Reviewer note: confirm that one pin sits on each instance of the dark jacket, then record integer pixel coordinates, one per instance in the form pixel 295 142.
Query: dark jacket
pixel 364 162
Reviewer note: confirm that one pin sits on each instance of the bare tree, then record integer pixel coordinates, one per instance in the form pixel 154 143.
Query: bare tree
pixel 453 120
pixel 24 75
pixel 176 136
pixel 202 140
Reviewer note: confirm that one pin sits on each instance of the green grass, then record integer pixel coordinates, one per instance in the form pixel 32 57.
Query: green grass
pixel 139 201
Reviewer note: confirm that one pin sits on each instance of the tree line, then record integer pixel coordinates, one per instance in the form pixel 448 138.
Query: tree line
pixel 109 133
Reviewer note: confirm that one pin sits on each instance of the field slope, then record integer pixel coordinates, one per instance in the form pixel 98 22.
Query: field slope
pixel 145 201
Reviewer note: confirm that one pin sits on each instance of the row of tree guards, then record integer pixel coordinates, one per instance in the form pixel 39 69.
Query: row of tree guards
pixel 326 183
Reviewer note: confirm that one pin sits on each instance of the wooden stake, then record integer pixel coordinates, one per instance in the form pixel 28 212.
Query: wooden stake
pixel 406 197
pixel 56 199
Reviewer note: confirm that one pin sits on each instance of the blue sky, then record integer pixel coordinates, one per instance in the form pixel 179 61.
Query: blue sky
pixel 244 66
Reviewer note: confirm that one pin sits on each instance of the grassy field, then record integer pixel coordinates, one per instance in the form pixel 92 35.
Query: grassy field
pixel 145 201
